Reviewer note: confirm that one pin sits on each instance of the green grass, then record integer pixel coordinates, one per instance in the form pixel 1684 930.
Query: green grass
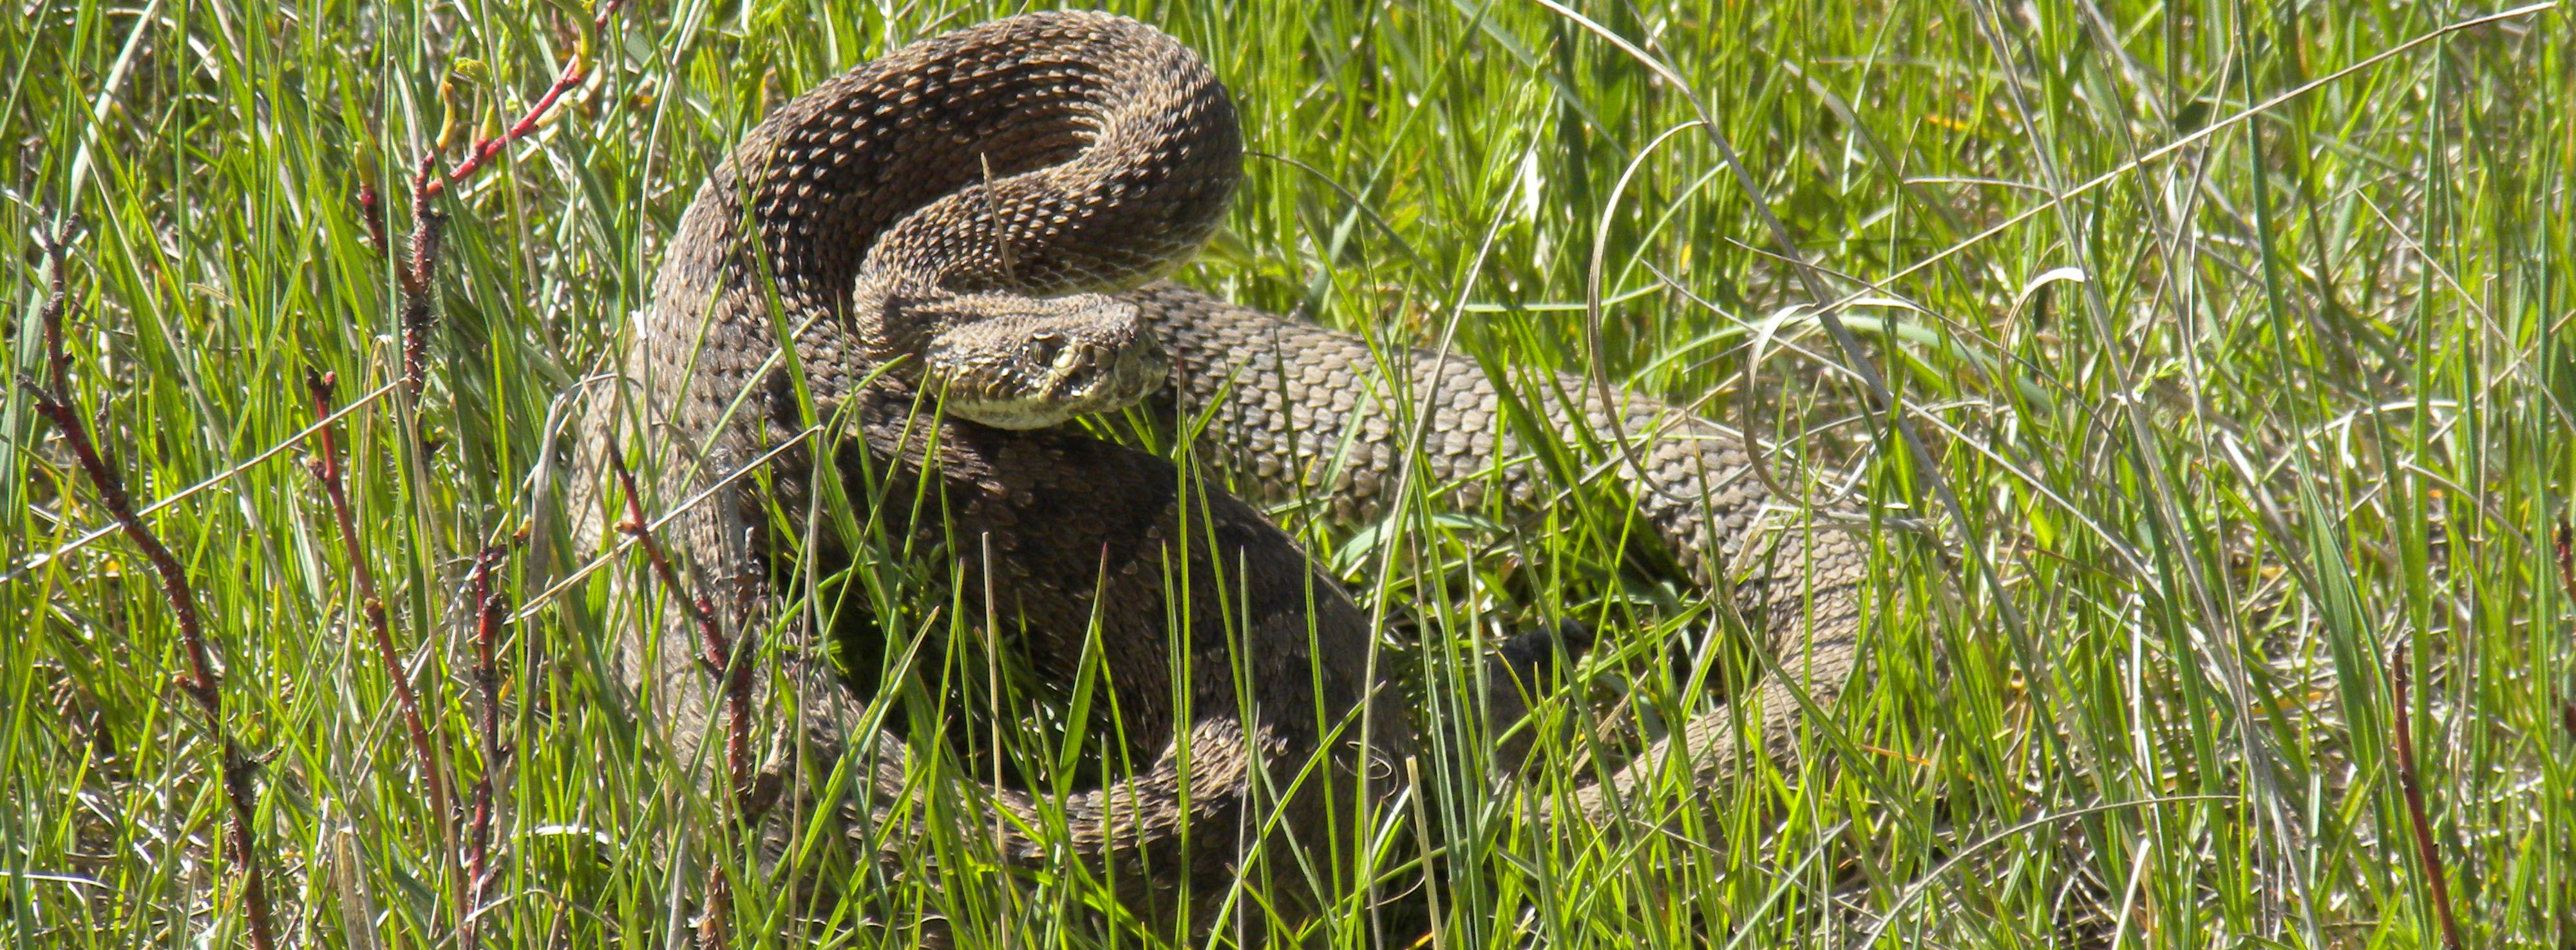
pixel 2310 402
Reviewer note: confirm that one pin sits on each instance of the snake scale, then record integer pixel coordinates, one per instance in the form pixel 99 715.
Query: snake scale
pixel 1006 195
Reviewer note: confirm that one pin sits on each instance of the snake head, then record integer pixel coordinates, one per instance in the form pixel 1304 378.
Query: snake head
pixel 1019 363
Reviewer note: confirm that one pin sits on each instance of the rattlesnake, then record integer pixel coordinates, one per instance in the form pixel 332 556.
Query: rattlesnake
pixel 1055 154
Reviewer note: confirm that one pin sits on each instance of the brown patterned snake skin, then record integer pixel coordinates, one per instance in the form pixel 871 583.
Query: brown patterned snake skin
pixel 1071 153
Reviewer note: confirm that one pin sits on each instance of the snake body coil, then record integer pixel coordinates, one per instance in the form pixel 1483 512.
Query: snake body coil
pixel 971 216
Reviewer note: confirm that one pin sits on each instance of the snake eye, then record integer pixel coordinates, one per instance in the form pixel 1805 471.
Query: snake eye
pixel 1043 348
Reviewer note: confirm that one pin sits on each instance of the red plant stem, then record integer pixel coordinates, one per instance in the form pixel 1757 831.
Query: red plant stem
pixel 482 152
pixel 711 927
pixel 599 21
pixel 326 469
pixel 201 684
pixel 371 207
pixel 490 614
pixel 424 187
pixel 419 265
pixel 429 230
pixel 719 656
pixel 2566 545
pixel 428 227
pixel 717 652
pixel 2414 789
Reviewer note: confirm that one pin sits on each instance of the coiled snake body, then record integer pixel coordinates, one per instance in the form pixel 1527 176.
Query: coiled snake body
pixel 971 216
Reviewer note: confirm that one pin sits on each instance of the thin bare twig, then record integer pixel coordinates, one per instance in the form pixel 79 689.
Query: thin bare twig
pixel 721 656
pixel 53 400
pixel 325 466
pixel 718 654
pixel 489 613
pixel 2408 781
pixel 2566 544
